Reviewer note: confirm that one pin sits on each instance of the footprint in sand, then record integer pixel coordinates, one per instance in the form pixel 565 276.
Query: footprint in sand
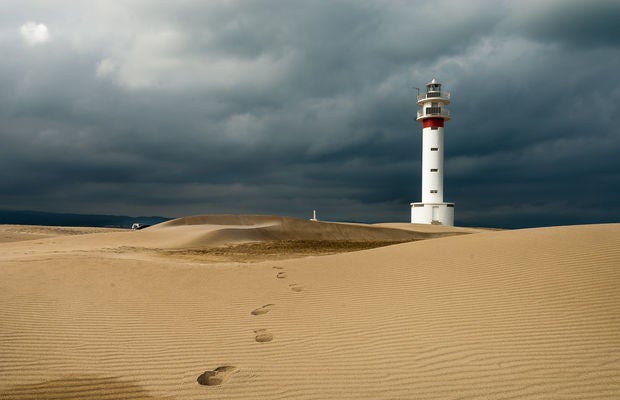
pixel 281 275
pixel 217 376
pixel 277 267
pixel 262 310
pixel 296 288
pixel 263 336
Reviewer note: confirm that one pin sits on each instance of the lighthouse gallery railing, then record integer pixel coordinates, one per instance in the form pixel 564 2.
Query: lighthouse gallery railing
pixel 434 111
pixel 431 95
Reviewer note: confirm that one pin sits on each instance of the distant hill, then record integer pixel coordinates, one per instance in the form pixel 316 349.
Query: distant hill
pixel 23 217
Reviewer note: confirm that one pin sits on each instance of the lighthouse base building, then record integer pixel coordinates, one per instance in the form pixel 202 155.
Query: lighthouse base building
pixel 432 113
pixel 432 213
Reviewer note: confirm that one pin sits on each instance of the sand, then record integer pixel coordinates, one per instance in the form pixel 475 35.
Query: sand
pixel 466 314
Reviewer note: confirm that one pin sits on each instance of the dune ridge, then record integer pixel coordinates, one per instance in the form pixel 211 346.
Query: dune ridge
pixel 524 314
pixel 205 232
pixel 241 228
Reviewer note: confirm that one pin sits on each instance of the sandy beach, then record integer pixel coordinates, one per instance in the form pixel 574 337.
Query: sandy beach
pixel 259 307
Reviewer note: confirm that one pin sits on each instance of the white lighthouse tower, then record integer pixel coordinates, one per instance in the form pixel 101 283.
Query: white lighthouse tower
pixel 433 113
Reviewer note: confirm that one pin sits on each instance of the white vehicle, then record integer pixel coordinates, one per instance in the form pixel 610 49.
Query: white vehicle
pixel 138 226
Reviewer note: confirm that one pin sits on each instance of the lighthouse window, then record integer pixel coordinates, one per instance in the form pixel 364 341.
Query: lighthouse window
pixel 433 128
pixel 434 148
pixel 433 191
pixel 433 169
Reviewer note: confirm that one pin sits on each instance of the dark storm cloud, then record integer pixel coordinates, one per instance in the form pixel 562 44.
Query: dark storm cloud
pixel 571 22
pixel 280 107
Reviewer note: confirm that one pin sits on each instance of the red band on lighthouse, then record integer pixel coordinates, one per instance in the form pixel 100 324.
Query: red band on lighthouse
pixel 432 123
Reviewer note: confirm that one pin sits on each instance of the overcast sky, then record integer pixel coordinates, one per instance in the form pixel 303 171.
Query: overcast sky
pixel 173 108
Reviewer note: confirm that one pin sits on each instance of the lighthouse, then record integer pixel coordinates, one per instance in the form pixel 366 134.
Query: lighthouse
pixel 433 113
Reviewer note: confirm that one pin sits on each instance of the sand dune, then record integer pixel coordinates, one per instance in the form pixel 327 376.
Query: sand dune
pixel 17 233
pixel 526 314
pixel 199 233
pixel 240 228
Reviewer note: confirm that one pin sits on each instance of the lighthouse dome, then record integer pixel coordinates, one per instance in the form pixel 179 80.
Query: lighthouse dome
pixel 433 86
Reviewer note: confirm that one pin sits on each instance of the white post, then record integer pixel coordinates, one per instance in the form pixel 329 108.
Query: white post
pixel 313 216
